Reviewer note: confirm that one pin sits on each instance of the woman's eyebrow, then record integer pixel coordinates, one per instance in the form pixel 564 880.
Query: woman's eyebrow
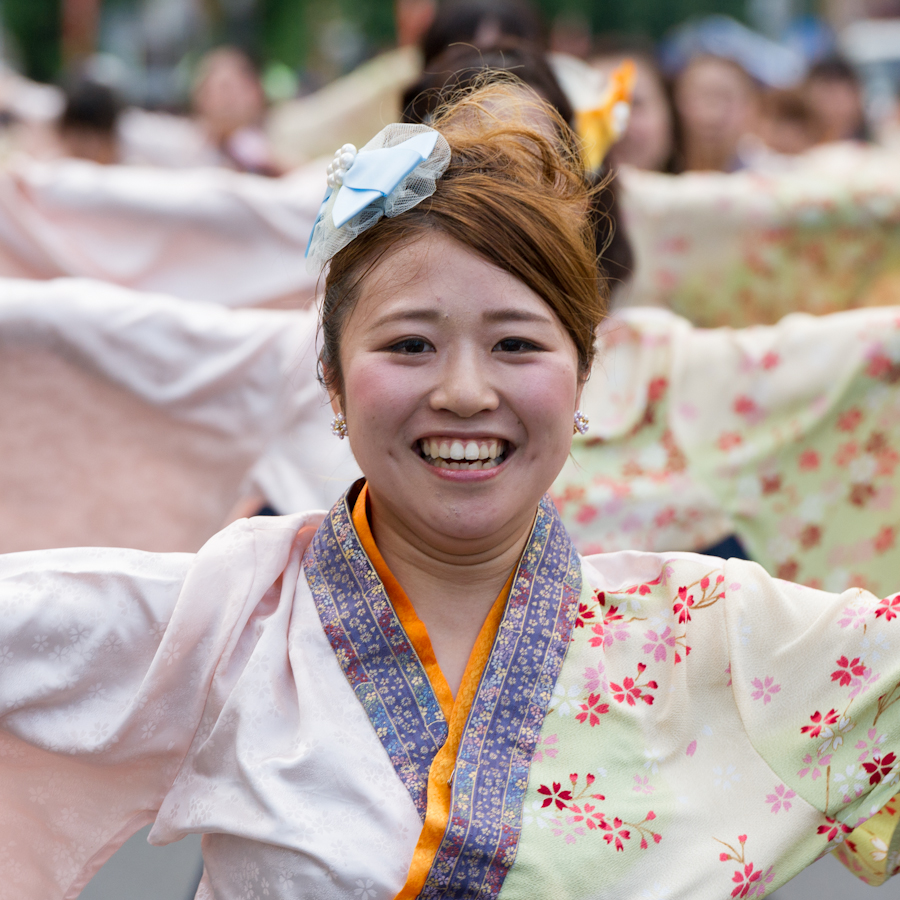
pixel 514 314
pixel 408 315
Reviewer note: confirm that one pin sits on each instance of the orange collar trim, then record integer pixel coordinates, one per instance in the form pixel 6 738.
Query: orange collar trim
pixel 440 775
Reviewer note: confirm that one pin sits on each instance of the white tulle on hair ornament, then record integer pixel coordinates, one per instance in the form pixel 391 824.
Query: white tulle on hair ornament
pixel 394 172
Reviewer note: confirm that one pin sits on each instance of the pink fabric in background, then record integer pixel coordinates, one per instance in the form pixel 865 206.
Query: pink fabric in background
pixel 197 234
pixel 132 420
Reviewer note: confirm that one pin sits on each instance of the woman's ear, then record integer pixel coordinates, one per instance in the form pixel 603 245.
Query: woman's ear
pixel 581 385
pixel 337 404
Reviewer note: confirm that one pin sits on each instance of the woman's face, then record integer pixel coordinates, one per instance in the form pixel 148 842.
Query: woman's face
pixel 460 385
pixel 648 140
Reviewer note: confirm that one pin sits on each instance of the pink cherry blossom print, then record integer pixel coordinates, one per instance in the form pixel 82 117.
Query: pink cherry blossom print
pixel 765 689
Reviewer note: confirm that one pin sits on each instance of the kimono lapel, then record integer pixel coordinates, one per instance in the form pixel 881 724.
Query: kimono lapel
pixel 373 650
pixel 504 724
pixel 479 839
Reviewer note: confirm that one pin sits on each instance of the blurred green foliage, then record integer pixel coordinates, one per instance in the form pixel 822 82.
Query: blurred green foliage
pixel 288 30
pixel 649 17
pixel 35 27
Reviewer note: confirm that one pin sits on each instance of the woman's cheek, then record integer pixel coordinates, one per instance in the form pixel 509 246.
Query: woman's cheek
pixel 550 397
pixel 378 389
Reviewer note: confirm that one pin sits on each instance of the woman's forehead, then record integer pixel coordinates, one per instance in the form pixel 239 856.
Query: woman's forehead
pixel 436 273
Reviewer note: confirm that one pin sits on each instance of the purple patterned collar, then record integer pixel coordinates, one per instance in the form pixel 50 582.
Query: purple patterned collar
pixel 507 713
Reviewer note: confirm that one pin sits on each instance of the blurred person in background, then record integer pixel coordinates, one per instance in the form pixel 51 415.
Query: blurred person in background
pixel 229 104
pixel 482 24
pixel 650 140
pixel 788 124
pixel 88 125
pixel 355 106
pixel 834 93
pixel 717 104
pixel 462 66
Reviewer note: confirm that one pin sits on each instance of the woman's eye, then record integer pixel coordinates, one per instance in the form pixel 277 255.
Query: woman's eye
pixel 410 346
pixel 515 345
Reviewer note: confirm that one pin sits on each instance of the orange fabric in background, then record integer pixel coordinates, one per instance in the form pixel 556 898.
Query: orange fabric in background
pixel 456 711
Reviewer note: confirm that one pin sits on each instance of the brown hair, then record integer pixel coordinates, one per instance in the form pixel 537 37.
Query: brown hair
pixel 511 194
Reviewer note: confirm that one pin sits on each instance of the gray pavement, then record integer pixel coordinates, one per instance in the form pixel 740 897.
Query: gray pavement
pixel 141 872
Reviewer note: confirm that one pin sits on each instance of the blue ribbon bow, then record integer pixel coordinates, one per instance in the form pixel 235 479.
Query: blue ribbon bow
pixel 376 173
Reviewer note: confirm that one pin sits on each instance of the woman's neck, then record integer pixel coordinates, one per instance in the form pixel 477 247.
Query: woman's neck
pixel 452 593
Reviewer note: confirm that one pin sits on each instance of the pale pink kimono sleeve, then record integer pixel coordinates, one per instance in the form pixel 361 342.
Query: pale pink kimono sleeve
pixel 106 661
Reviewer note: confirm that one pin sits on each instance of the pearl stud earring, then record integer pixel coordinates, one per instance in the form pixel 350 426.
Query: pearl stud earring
pixel 339 426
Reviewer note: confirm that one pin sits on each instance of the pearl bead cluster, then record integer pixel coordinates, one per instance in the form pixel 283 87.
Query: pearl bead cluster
pixel 340 165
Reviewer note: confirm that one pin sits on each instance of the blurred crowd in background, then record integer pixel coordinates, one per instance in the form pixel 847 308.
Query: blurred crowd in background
pixel 154 152
pixel 264 87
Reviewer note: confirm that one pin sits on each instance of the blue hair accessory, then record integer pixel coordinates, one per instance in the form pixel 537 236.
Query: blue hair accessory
pixel 394 172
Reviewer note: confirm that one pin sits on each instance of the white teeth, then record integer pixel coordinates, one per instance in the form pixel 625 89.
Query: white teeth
pixel 457 454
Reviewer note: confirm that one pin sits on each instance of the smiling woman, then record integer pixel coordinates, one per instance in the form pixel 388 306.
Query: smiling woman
pixel 426 692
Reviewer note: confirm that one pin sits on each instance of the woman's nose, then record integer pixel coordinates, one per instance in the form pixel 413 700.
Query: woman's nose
pixel 465 387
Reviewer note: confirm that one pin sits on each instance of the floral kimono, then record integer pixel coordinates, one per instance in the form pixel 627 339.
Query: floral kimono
pixel 818 234
pixel 628 723
pixel 792 442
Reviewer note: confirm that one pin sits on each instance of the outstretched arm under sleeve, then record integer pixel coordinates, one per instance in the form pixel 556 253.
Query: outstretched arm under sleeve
pixel 816 678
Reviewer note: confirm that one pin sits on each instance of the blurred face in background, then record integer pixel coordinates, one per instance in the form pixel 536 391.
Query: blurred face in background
pixel 648 141
pixel 837 105
pixel 717 103
pixel 787 124
pixel 227 94
pixel 412 18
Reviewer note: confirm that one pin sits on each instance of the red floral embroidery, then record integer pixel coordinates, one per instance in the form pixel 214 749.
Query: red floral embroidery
pixel 728 440
pixel 588 814
pixel 809 460
pixel 745 879
pixel 555 795
pixel 643 589
pixel 612 628
pixel 592 710
pixel 630 691
pixel 833 830
pixel 748 880
pixel 788 570
pixel 584 613
pixel 617 834
pixel 848 668
pixel 879 769
pixel 884 540
pixel 810 537
pixel 819 722
pixel 682 605
pixel 583 815
pixel 889 608
pixel 849 420
pixel 771 484
pixel 656 389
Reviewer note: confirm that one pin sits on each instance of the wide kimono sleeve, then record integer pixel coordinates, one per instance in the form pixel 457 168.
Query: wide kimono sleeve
pixel 819 235
pixel 106 662
pixel 785 434
pixel 816 679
